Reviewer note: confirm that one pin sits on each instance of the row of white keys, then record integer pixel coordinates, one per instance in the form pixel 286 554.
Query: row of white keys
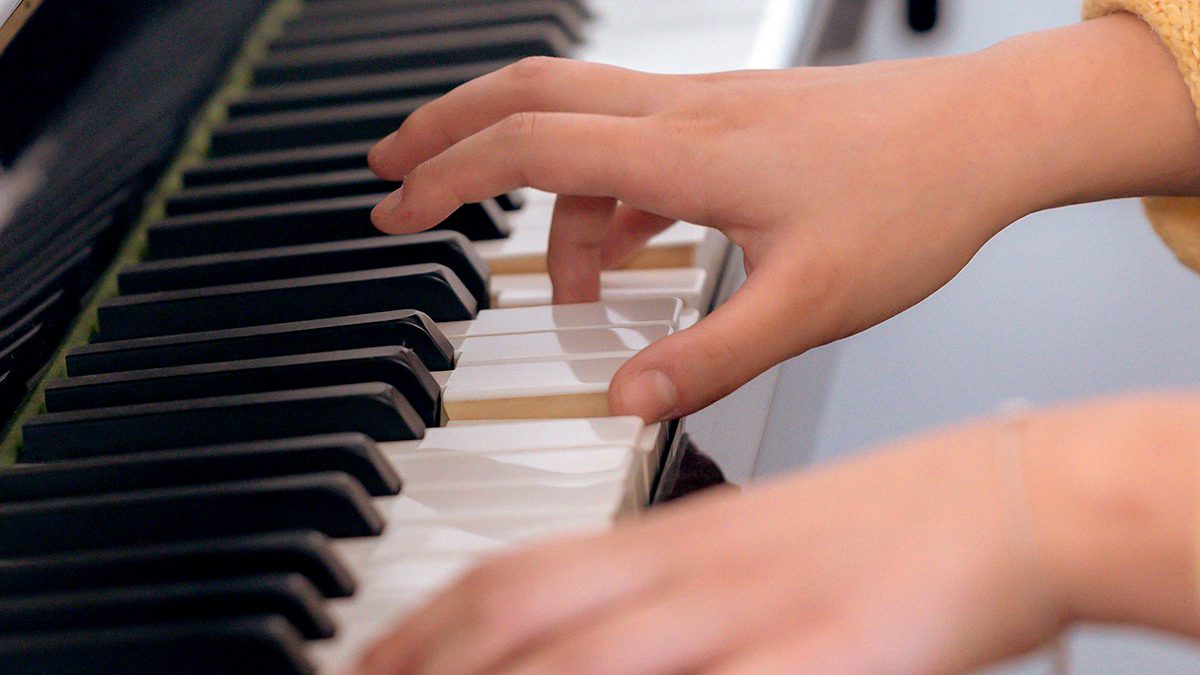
pixel 562 370
pixel 475 490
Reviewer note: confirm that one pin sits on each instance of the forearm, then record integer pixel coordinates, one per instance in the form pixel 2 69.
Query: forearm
pixel 1114 493
pixel 1093 111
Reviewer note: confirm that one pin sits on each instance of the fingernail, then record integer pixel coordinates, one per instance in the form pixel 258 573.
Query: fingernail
pixel 650 395
pixel 388 207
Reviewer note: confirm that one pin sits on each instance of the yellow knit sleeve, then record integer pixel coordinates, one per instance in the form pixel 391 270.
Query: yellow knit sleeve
pixel 1177 22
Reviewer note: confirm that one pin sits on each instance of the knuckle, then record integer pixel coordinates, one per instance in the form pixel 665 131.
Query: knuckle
pixel 533 70
pixel 518 127
pixel 426 121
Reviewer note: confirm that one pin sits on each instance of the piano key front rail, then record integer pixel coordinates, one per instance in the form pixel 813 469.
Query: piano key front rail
pixel 127 548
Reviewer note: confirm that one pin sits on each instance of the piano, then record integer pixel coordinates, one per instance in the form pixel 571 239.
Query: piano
pixel 244 431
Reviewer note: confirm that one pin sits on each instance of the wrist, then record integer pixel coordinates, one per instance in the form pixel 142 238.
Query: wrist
pixel 1113 495
pixel 1089 112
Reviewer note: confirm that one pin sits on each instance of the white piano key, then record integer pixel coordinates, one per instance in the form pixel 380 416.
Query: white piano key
pixel 562 317
pixel 491 437
pixel 469 535
pixel 691 285
pixel 502 435
pixel 445 468
pixel 564 344
pixel 543 389
pixel 441 468
pixel 524 252
pixel 605 493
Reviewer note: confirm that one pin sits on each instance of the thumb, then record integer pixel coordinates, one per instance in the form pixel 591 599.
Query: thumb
pixel 752 331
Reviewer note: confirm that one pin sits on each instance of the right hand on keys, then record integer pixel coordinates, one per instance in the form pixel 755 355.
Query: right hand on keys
pixel 854 192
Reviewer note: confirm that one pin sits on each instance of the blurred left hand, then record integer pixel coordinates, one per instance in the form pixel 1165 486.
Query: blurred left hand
pixel 903 562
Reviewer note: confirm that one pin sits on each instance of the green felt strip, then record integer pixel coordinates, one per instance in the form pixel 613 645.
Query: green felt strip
pixel 194 150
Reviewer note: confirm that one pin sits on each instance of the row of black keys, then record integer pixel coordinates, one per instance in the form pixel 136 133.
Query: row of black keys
pixel 253 280
pixel 223 549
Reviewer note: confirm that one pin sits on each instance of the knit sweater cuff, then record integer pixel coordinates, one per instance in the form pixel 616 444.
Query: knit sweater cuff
pixel 1177 22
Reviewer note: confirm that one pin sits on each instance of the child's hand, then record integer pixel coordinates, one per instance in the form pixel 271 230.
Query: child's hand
pixel 906 562
pixel 854 192
pixel 937 555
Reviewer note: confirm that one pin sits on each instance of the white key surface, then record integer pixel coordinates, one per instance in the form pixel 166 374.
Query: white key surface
pixel 689 284
pixel 562 345
pixel 561 317
pixel 575 388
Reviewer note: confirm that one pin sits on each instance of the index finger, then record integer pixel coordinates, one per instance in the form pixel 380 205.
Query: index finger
pixel 624 158
pixel 536 84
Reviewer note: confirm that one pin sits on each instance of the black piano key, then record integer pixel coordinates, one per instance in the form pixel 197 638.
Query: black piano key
pixel 302 552
pixel 429 288
pixel 512 201
pixel 336 9
pixel 304 187
pixel 365 57
pixel 396 366
pixel 406 21
pixel 295 162
pixel 288 595
pixel 331 503
pixel 444 248
pixel 312 126
pixel 278 163
pixel 301 223
pixel 244 646
pixel 374 409
pixel 352 454
pixel 405 328
pixel 429 81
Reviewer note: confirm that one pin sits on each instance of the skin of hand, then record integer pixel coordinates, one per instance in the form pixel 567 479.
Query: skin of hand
pixel 936 555
pixel 853 192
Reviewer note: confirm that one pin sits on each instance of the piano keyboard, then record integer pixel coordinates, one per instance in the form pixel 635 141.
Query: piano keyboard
pixel 288 430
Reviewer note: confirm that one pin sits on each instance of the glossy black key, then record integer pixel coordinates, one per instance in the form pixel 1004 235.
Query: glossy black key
pixel 304 187
pixel 278 163
pixel 365 57
pixel 396 366
pixel 335 9
pixel 405 328
pixel 312 126
pixel 429 288
pixel 429 81
pixel 444 248
pixel 302 552
pixel 331 503
pixel 352 454
pixel 301 223
pixel 288 595
pixel 295 162
pixel 244 646
pixel 374 409
pixel 405 21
